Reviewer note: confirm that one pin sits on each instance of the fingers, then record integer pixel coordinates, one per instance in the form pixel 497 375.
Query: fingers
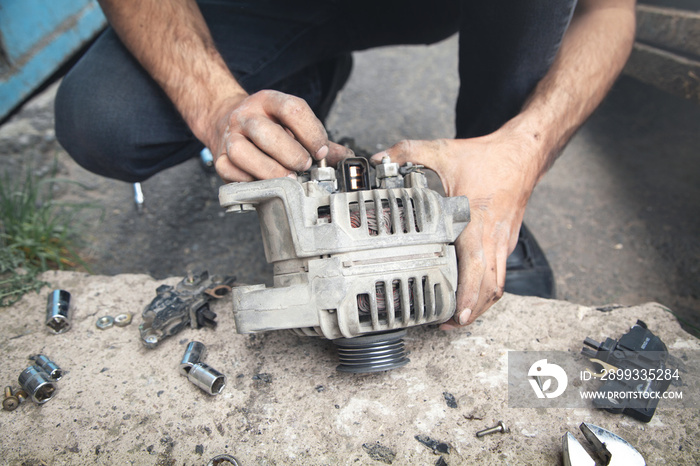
pixel 427 153
pixel 249 163
pixel 295 114
pixel 482 272
pixel 337 152
pixel 272 139
pixel 270 135
pixel 472 266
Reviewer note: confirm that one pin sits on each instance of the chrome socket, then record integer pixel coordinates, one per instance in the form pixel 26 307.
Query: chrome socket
pixel 48 366
pixel 37 384
pixel 58 311
pixel 207 378
pixel 194 353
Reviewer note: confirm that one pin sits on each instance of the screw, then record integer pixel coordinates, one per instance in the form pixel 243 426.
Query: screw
pixel 500 427
pixel 10 402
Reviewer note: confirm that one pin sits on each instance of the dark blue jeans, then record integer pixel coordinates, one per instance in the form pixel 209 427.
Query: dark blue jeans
pixel 114 120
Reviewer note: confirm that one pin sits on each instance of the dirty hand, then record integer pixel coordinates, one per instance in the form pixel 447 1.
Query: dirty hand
pixel 493 174
pixel 269 135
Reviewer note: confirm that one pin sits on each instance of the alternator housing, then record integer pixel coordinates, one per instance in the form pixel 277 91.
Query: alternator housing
pixel 340 269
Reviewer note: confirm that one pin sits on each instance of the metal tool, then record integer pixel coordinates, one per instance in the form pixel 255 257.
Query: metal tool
pixel 138 198
pixel 194 353
pixel 47 366
pixel 58 311
pixel 608 448
pixel 37 384
pixel 207 378
pixel 174 308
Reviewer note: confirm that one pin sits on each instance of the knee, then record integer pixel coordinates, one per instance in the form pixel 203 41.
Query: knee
pixel 117 134
pixel 84 127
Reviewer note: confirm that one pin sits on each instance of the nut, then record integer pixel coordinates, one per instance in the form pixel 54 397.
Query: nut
pixel 122 320
pixel 105 322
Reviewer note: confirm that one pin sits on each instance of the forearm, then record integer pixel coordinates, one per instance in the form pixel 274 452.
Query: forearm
pixel 172 42
pixel 592 54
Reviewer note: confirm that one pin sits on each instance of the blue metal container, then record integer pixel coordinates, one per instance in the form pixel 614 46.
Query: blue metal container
pixel 36 38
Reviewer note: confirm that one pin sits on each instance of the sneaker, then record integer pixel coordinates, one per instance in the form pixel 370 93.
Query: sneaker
pixel 527 270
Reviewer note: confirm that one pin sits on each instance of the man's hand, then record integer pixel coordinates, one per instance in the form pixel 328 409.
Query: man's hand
pixel 498 172
pixel 270 135
pixel 264 135
pixel 491 172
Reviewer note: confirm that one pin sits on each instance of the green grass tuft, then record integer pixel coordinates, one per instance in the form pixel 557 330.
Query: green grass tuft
pixel 37 233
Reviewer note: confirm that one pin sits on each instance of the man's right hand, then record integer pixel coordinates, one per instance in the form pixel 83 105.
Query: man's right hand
pixel 269 135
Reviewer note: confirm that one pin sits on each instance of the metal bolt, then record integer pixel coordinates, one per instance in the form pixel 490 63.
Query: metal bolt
pixel 10 402
pixel 500 427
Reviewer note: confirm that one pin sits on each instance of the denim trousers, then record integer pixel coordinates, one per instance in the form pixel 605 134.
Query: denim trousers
pixel 114 120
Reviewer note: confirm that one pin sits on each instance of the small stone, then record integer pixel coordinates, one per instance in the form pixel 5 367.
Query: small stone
pixel 450 399
pixel 379 452
pixel 199 449
pixel 264 377
pixel 435 445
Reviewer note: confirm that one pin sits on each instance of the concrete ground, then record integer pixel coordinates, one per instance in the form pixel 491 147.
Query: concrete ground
pixel 284 403
pixel 617 217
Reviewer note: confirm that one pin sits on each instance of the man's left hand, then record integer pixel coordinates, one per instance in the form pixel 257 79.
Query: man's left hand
pixel 492 172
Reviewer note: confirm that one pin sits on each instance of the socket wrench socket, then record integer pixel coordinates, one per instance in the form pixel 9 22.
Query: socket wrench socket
pixel 48 366
pixel 58 311
pixel 37 384
pixel 194 353
pixel 207 378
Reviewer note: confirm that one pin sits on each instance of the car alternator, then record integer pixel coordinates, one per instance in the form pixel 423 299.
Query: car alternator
pixel 352 263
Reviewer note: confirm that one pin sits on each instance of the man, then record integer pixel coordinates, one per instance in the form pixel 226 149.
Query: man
pixel 178 74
